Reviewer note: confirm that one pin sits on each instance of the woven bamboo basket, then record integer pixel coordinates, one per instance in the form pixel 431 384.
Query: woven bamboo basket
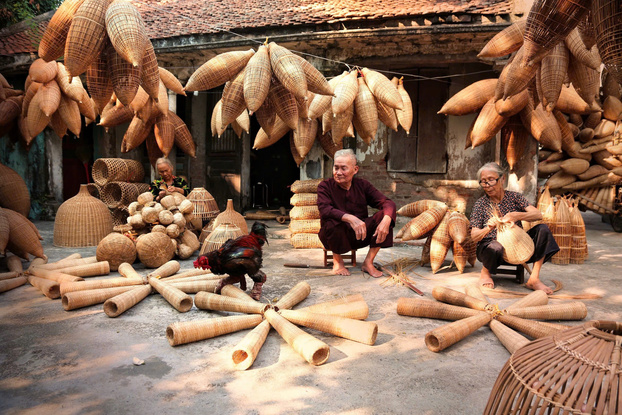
pixel 568 311
pixel 183 138
pixel 586 30
pixel 284 103
pixel 164 132
pixel 136 134
pixel 175 297
pixel 125 77
pixel 119 219
pixel 154 249
pixel 11 283
pixel 233 291
pixel 470 99
pixel 14 193
pixel 115 194
pixel 245 352
pixel 447 295
pixel 304 213
pixel 216 302
pixel 233 99
pixel 116 169
pixel 304 226
pixel 458 227
pixel 52 43
pixel 299 292
pixel 86 37
pixel 196 286
pixel 387 115
pixel 505 42
pixel 608 30
pixel 562 233
pixel 306 241
pixel 304 136
pixel 229 215
pixel 67 287
pixel 205 206
pixel 126 31
pixel 257 79
pixel 171 81
pixel 346 90
pixel 150 77
pixel 510 339
pixel 424 223
pixel 305 186
pixel 288 70
pixel 533 299
pixel 553 72
pixel 518 246
pixel 578 250
pixel 8 275
pixel 304 199
pixel 359 331
pixel 54 275
pixel 487 124
pixel 49 98
pixel 22 238
pixel 42 71
pixel 460 256
pixel 81 221
pixel 574 371
pixel 49 288
pixel 88 270
pixel 116 115
pixel 14 264
pixel 577 47
pixel 116 249
pixel 98 83
pixel 442 337
pixel 308 347
pixel 414 209
pixel 357 310
pixel 117 305
pixel 79 299
pixel 192 331
pixel 94 189
pixel 221 234
pixel 585 80
pixel 382 88
pixel 218 70
pixel 439 244
pixel 574 166
pixel 340 124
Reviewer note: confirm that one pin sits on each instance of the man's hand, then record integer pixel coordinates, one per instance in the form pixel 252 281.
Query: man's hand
pixel 383 229
pixel 360 230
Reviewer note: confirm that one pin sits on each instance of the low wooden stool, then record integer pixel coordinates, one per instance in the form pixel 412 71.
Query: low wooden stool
pixel 518 271
pixel 351 256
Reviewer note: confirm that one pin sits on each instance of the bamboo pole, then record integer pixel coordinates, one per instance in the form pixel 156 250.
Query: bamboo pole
pixel 119 304
pixel 359 331
pixel 79 299
pixel 177 298
pixel 191 331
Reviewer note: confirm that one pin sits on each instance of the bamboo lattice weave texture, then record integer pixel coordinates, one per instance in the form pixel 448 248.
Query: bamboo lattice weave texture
pixel 257 79
pixel 86 37
pixel 13 191
pixel 230 215
pixel 304 199
pixel 288 70
pixel 218 70
pixel 115 194
pixel 192 331
pixel 607 19
pixel 116 169
pixel 79 299
pixel 305 186
pixel 116 249
pixel 205 206
pixel 52 43
pixel 115 306
pixel 125 77
pixel 126 30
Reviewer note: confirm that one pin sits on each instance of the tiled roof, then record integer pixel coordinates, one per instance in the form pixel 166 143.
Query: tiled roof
pixel 169 18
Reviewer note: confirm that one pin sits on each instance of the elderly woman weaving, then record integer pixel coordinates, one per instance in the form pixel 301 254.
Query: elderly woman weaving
pixel 168 183
pixel 510 207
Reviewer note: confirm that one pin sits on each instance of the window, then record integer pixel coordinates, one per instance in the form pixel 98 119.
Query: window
pixel 424 150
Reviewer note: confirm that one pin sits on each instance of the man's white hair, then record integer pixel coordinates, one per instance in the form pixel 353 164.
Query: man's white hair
pixel 346 152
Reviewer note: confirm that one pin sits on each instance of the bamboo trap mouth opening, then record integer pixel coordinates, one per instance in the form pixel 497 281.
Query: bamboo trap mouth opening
pixel 239 356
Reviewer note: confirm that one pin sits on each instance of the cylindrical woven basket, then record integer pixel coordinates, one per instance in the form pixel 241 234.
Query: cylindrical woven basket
pixel 562 233
pixel 94 189
pixel 359 331
pixel 191 331
pixel 119 220
pixel 115 194
pixel 294 296
pixel 216 302
pixel 304 226
pixel 439 244
pixel 304 213
pixel 305 186
pixel 306 241
pixel 573 371
pixel 116 249
pixel 177 298
pixel 116 169
pixel 229 215
pixel 219 236
pixel 419 226
pixel 119 304
pixel 304 199
pixel 245 352
pixel 81 221
pixel 205 206
pixel 608 29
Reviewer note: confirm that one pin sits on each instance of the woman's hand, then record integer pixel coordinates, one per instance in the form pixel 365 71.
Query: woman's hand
pixel 172 189
pixel 513 217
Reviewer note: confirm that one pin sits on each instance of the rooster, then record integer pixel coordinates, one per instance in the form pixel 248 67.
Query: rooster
pixel 238 257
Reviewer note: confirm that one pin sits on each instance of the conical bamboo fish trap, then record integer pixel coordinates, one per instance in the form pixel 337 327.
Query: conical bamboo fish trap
pixel 382 88
pixel 11 283
pixel 578 250
pixel 4 231
pixel 196 286
pixel 126 31
pixel 245 352
pixel 574 371
pixel 340 125
pixel 578 49
pixel 512 105
pixel 458 227
pixel 294 296
pixel 532 299
pixel 229 215
pixel 192 331
pixel 470 99
pixel 447 295
pixel 70 114
pixel 88 270
pixel 346 90
pixel 233 291
pixel 81 221
pixel 306 241
pixel 54 275
pixel 67 287
pixel 360 331
pixel 571 103
pixel 586 30
pixel 487 124
pixel 608 31
pixel 79 299
pixel 305 186
pixel 304 226
pixel 510 339
pixel 257 79
pixel 13 191
pixel 177 298
pixel 233 99
pixel 304 199
pixel 218 70
pixel 36 120
pixel 514 139
pixel 21 235
pixel 52 44
pixel 164 132
pixel 49 288
pixel 505 42
pixel 574 166
pixel 304 136
pixel 424 223
pixel 116 169
pixel 284 103
pixel 216 302
pixel 171 81
pixel 440 244
pixel 86 37
pixel 553 71
pixel 150 75
pixel 586 81
pixel 263 139
pixel 441 338
pixel 125 77
pixel 568 311
pixel 221 234
pixel 98 82
pixel 288 70
pixel 308 347
pixel 562 233
pixel 50 98
pixel 387 115
pixel 414 209
pixel 304 213
pixel 117 115
pixel 136 134
pixel 117 305
pixel 543 126
pixel 183 138
pixel 460 256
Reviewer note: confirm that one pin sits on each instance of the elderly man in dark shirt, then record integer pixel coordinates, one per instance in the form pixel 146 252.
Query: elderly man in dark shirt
pixel 345 224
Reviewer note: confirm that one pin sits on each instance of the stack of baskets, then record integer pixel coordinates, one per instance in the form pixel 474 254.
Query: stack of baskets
pixel 118 182
pixel 305 215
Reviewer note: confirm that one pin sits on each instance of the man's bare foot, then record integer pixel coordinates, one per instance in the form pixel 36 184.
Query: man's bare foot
pixel 486 282
pixel 371 270
pixel 539 285
pixel 340 269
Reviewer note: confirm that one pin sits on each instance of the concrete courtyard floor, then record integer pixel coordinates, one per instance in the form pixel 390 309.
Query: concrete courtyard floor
pixel 80 362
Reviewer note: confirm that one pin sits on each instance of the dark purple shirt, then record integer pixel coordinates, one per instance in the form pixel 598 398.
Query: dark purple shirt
pixel 334 201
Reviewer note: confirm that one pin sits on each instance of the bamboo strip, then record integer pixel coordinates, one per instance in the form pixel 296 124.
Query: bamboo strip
pixel 67 287
pixel 165 270
pixel 246 351
pixel 119 304
pixel 49 288
pixel 510 339
pixel 128 271
pixel 88 270
pixel 298 293
pixel 54 275
pixel 359 331
pixel 216 302
pixel 532 299
pixel 569 311
pixel 9 284
pixel 191 331
pixel 419 307
pixel 193 287
pixel 442 337
pixel 447 295
pixel 177 298
pixel 79 299
pixel 8 275
pixel 67 262
pixel 311 349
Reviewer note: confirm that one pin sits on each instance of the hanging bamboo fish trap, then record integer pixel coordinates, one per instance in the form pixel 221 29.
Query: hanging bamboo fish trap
pixel 13 191
pixel 608 29
pixel 573 371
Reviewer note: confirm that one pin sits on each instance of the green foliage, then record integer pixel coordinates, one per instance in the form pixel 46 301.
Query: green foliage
pixel 15 11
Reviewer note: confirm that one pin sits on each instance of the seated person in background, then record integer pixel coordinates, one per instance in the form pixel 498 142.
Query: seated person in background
pixel 167 183
pixel 511 207
pixel 345 224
